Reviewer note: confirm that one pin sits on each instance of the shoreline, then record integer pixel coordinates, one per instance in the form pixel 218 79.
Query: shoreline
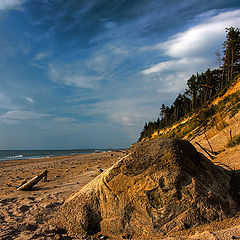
pixel 27 214
pixel 39 154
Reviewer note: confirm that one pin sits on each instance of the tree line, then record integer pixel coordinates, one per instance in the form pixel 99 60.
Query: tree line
pixel 203 87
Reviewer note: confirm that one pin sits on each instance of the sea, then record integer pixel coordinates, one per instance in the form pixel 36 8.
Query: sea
pixel 35 154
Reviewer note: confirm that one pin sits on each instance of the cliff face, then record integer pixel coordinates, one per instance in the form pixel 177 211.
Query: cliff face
pixel 215 124
pixel 161 186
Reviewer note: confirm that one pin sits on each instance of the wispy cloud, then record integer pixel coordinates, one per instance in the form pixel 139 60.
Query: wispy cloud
pixel 16 116
pixel 107 59
pixel 130 111
pixel 73 75
pixel 87 5
pixel 127 113
pixel 90 71
pixel 65 119
pixel 173 73
pixel 36 65
pixel 174 65
pixel 10 4
pixel 41 56
pixel 6 49
pixel 190 51
pixel 28 99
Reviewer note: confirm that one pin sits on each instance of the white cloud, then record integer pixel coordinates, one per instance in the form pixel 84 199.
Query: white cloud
pixel 65 119
pixel 109 25
pixel 174 65
pixel 10 4
pixel 13 117
pixel 200 38
pixel 89 72
pixel 119 50
pixel 127 113
pixel 37 65
pixel 126 118
pixel 190 51
pixel 172 74
pixel 130 111
pixel 72 75
pixel 105 60
pixel 30 100
pixel 40 56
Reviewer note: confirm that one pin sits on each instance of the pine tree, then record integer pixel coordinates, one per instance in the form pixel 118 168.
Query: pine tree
pixel 193 85
pixel 231 59
pixel 162 111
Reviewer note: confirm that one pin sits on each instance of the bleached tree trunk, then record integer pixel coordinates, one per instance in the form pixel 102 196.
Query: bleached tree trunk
pixel 32 182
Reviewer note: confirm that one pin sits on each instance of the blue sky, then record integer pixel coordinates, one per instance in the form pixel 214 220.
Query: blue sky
pixel 89 74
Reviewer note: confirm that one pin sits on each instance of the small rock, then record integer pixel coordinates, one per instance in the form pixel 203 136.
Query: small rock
pixel 24 208
pixel 51 205
pixel 27 226
pixel 102 237
pixel 31 198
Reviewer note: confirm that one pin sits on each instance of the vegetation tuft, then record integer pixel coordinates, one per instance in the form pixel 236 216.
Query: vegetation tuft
pixel 234 141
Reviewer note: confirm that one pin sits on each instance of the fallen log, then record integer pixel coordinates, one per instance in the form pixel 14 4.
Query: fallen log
pixel 32 182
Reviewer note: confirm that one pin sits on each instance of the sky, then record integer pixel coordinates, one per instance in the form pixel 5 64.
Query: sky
pixel 90 73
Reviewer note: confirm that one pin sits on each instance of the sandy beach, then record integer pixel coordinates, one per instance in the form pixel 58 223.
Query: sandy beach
pixel 28 214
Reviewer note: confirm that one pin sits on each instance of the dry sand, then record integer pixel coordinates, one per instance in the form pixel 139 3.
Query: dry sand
pixel 28 214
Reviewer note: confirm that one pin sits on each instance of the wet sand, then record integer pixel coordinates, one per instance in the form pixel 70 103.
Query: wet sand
pixel 28 214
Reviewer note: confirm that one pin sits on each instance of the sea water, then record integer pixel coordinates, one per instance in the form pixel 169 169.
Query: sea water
pixel 35 154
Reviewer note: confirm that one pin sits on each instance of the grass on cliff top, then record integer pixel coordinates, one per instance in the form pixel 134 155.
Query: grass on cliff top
pixel 213 114
pixel 234 141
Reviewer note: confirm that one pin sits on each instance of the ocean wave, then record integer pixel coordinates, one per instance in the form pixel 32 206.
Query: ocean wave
pixel 16 156
pixel 40 157
pixel 6 155
pixel 98 151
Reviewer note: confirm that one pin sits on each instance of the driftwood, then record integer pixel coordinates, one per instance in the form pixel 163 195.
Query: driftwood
pixel 231 138
pixel 209 143
pixel 32 182
pixel 205 150
pixel 199 131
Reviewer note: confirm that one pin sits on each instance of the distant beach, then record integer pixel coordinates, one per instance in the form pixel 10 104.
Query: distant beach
pixel 36 154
